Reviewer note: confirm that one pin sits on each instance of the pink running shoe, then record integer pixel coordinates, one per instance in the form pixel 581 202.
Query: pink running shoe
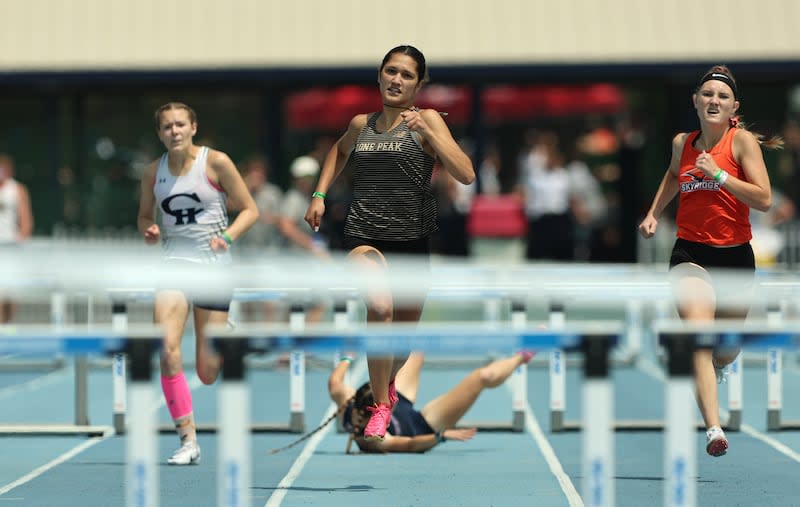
pixel 527 355
pixel 716 442
pixel 378 422
pixel 393 398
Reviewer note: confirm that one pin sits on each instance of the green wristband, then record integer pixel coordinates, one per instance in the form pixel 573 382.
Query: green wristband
pixel 318 194
pixel 227 238
pixel 346 358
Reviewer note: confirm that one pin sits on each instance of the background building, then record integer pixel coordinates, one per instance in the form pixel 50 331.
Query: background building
pixel 79 81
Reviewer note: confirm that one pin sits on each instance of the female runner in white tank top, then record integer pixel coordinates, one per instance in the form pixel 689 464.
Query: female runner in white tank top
pixel 189 185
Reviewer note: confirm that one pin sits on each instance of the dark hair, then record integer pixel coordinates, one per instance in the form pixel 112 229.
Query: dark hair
pixel 363 398
pixel 723 74
pixel 416 54
pixel 174 105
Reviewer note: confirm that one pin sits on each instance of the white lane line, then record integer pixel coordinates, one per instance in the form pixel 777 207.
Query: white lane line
pixel 532 424
pixel 277 496
pixel 61 459
pixel 778 446
pixel 193 384
pixel 648 367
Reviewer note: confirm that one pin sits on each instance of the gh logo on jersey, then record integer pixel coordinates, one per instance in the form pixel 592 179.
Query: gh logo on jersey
pixel 182 216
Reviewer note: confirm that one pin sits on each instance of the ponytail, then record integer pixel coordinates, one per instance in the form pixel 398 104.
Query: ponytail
pixel 772 143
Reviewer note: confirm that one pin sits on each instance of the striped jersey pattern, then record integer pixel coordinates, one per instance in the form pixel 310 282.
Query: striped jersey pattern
pixel 393 199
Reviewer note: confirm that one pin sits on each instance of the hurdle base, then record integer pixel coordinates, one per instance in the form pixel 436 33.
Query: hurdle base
pixel 621 360
pixel 787 426
pixel 297 422
pixel 19 430
pixel 490 426
pixel 254 428
pixel 518 421
pixel 16 365
pixel 119 423
pixel 634 425
pixel 774 422
pixel 734 422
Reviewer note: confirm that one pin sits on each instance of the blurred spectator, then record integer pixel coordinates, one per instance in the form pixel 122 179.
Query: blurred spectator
pixel 632 204
pixel 554 200
pixel 454 201
pixel 768 241
pixel 291 223
pixel 589 207
pixel 489 171
pixel 71 211
pixel 16 219
pixel 789 162
pixel 113 198
pixel 263 235
pixel 337 202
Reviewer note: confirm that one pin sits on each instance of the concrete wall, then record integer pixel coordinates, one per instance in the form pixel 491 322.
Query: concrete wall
pixel 64 35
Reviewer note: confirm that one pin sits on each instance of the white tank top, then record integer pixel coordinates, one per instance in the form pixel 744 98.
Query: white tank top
pixel 9 203
pixel 192 211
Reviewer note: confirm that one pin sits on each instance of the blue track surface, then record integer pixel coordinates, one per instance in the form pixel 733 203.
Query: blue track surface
pixel 497 469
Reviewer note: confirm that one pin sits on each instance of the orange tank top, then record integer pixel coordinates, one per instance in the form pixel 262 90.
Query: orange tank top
pixel 707 213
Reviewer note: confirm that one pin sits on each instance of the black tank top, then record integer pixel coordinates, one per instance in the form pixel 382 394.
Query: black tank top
pixel 392 195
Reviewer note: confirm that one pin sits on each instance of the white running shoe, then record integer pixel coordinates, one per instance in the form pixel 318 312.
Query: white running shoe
pixel 722 374
pixel 716 442
pixel 187 454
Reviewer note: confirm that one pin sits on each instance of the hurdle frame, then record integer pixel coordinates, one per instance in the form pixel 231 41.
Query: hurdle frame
pixel 346 300
pixel 634 325
pixel 296 422
pixel 774 365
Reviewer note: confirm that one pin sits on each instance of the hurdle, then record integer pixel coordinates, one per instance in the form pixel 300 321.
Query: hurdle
pixel 595 340
pixel 345 307
pixel 775 382
pixel 58 316
pixel 557 374
pixel 346 301
pixel 681 339
pixel 296 423
pixel 635 325
pixel 80 424
pixel 234 462
pixel 515 296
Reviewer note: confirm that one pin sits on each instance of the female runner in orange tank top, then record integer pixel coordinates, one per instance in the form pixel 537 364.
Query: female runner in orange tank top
pixel 720 174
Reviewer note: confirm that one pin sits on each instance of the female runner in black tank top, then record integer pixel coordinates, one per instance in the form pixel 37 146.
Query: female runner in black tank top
pixel 393 211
